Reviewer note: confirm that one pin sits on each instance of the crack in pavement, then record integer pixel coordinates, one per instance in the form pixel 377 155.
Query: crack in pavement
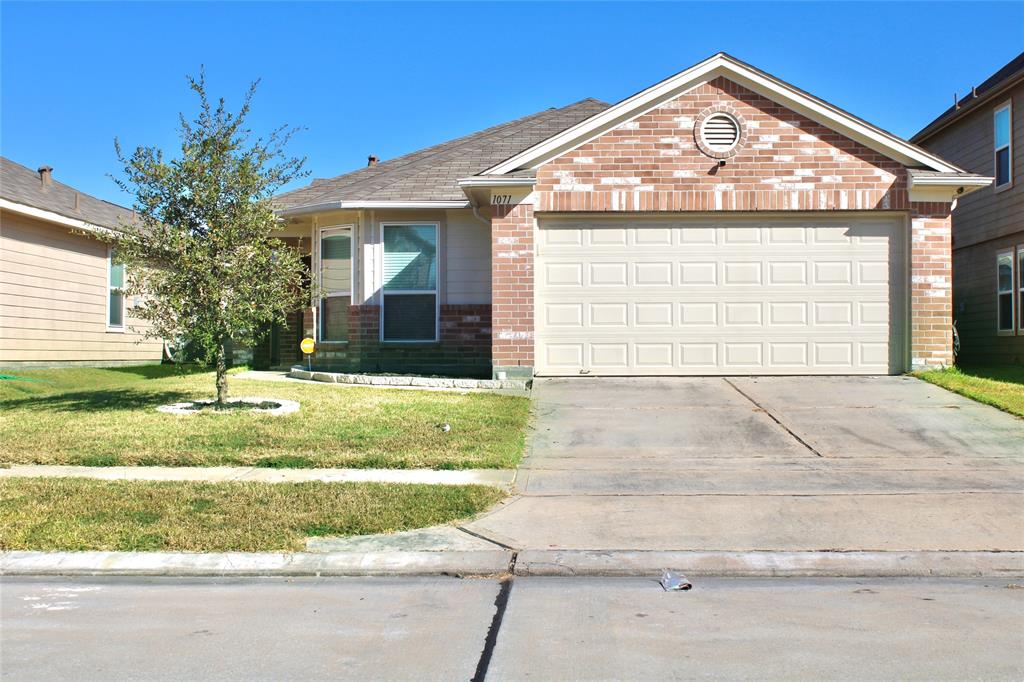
pixel 774 418
pixel 500 605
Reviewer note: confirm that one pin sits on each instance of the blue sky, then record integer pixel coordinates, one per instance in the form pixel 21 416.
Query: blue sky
pixel 391 78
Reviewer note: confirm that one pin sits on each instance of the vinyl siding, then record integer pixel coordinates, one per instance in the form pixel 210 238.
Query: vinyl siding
pixel 53 299
pixel 467 259
pixel 984 223
pixel 986 213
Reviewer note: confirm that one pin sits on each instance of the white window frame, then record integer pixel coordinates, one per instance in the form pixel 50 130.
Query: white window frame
pixel 1019 299
pixel 1008 107
pixel 1012 292
pixel 437 283
pixel 322 232
pixel 119 329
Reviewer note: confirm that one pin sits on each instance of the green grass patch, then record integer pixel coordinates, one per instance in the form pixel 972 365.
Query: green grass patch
pixel 76 514
pixel 999 386
pixel 106 417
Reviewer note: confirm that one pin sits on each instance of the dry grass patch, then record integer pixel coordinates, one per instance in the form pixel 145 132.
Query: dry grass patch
pixel 72 514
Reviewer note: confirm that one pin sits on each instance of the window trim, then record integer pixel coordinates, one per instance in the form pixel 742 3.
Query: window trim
pixel 116 329
pixel 398 292
pixel 324 295
pixel 1011 252
pixel 1019 298
pixel 1008 107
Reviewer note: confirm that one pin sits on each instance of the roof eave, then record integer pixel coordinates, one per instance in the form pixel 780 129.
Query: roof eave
pixel 944 187
pixel 53 217
pixel 370 204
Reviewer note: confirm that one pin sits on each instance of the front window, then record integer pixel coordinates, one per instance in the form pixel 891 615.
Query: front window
pixel 115 293
pixel 410 283
pixel 1003 122
pixel 1004 292
pixel 335 282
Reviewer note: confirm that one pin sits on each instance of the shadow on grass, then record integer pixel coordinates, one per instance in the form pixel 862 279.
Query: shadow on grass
pixel 100 401
pixel 160 371
pixel 1013 374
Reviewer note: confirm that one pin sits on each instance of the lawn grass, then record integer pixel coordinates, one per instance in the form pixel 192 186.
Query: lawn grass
pixel 74 514
pixel 106 417
pixel 1000 386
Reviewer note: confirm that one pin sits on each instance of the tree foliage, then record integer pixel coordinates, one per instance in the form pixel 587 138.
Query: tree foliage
pixel 203 260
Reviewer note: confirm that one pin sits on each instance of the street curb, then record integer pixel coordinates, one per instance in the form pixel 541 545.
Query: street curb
pixel 525 563
pixel 241 564
pixel 771 564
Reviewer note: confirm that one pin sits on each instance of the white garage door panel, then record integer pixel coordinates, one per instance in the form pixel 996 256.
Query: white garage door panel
pixel 820 296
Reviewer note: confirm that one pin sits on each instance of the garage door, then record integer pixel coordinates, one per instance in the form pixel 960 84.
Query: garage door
pixel 740 296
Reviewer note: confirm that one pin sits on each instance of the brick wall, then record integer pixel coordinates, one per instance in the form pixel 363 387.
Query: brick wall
pixel 931 285
pixel 512 288
pixel 464 348
pixel 784 162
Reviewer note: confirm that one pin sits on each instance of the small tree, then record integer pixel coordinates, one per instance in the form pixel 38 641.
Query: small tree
pixel 201 253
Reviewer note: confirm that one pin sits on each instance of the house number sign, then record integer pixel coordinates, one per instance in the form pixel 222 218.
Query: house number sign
pixel 501 200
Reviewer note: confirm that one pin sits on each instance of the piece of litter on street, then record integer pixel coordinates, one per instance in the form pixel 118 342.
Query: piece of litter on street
pixel 672 581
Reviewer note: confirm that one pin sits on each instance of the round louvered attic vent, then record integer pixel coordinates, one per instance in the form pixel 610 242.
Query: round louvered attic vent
pixel 720 132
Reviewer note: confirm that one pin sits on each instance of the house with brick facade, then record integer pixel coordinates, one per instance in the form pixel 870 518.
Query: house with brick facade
pixel 982 132
pixel 720 222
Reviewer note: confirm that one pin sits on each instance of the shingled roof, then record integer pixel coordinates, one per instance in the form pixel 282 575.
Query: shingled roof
pixel 22 185
pixel 432 174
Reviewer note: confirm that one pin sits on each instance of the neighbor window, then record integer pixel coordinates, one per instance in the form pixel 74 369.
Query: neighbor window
pixel 410 283
pixel 115 292
pixel 335 282
pixel 1003 122
pixel 1020 289
pixel 1004 292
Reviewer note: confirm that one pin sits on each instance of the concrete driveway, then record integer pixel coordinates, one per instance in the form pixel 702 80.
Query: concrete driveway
pixel 775 464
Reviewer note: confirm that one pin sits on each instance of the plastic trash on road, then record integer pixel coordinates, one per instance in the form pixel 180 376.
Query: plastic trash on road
pixel 673 582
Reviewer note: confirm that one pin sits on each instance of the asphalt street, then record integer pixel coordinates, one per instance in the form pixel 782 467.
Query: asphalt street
pixel 524 628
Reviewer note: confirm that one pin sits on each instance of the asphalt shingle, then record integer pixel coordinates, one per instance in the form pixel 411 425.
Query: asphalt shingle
pixel 432 174
pixel 22 185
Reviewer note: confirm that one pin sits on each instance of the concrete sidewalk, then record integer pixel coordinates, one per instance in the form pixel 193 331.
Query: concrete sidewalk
pixel 502 478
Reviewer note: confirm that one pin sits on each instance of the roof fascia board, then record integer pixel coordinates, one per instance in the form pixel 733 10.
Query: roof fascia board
pixel 497 182
pixel 944 188
pixel 721 65
pixel 51 217
pixel 341 205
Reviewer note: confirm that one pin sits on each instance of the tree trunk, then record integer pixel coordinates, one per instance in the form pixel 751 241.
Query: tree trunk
pixel 222 374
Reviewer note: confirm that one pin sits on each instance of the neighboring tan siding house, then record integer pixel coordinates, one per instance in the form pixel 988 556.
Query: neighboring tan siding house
pixel 719 222
pixel 59 297
pixel 985 133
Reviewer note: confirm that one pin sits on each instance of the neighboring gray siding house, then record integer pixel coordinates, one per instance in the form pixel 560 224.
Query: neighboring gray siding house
pixel 984 133
pixel 60 297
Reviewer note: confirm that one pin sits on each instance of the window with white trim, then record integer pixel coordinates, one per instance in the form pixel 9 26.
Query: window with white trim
pixel 410 295
pixel 1004 292
pixel 115 293
pixel 336 273
pixel 1020 289
pixel 1002 123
